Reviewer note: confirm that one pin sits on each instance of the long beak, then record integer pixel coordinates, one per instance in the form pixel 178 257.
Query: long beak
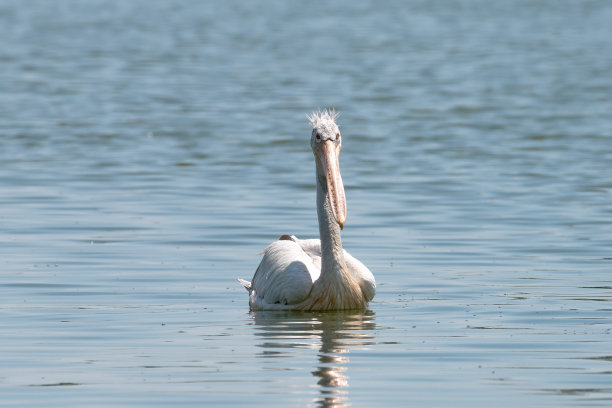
pixel 328 155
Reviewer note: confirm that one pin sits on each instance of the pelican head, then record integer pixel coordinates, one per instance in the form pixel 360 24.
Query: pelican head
pixel 326 144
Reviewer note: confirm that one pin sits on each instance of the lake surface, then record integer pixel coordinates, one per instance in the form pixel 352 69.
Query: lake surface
pixel 150 150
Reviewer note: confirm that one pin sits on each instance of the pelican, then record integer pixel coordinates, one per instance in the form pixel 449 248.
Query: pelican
pixel 315 274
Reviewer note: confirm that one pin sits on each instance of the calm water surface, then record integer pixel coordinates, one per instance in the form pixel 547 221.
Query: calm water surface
pixel 150 150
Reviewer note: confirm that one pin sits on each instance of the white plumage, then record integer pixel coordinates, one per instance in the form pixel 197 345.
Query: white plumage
pixel 315 274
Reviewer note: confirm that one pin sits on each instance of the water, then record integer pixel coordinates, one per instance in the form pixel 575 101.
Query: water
pixel 150 150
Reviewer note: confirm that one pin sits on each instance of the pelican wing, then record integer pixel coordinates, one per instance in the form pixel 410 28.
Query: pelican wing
pixel 312 248
pixel 284 276
pixel 362 274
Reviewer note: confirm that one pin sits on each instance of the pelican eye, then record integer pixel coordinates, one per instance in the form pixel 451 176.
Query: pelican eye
pixel 337 136
pixel 318 136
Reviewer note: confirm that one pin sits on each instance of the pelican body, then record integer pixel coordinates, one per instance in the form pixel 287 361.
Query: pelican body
pixel 315 274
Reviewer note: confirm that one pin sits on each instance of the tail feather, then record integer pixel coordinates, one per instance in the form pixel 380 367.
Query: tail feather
pixel 246 284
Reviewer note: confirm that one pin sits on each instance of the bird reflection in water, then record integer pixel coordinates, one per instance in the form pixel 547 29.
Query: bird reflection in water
pixel 334 334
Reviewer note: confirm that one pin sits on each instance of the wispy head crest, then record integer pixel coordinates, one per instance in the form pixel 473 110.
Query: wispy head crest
pixel 320 118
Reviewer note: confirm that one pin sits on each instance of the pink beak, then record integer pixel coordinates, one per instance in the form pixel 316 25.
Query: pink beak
pixel 328 154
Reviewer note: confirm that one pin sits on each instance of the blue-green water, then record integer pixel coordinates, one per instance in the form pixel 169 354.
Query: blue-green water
pixel 150 150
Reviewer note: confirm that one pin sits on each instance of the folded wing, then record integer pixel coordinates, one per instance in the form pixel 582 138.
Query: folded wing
pixel 284 276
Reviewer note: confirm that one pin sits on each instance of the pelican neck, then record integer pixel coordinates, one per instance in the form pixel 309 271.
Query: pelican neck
pixel 332 254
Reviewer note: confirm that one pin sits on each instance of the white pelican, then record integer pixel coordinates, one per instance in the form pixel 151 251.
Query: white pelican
pixel 314 274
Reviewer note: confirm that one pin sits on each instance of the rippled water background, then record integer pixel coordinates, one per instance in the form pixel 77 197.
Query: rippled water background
pixel 150 150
